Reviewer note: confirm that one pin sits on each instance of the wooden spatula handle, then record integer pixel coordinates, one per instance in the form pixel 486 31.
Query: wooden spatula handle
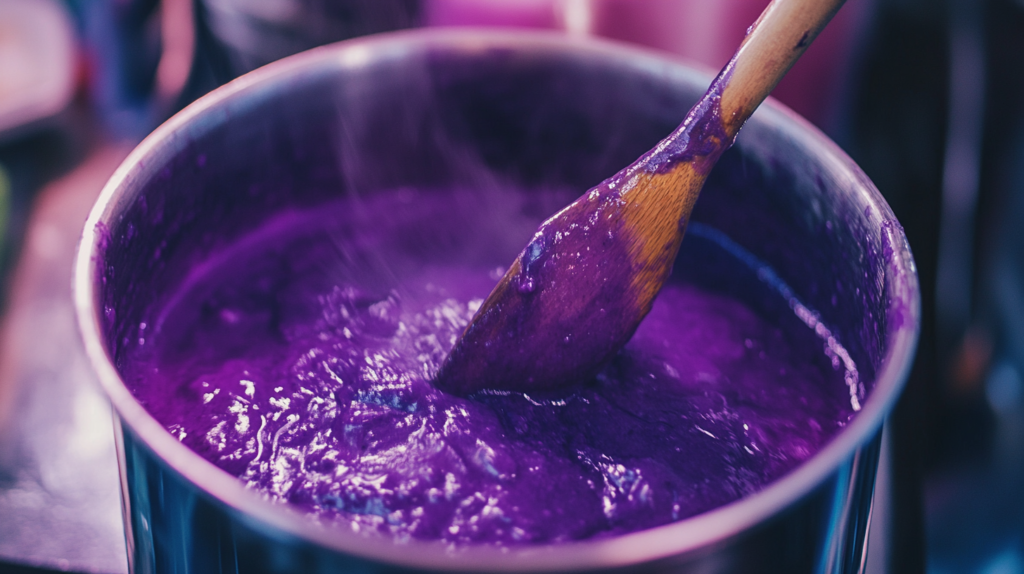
pixel 773 44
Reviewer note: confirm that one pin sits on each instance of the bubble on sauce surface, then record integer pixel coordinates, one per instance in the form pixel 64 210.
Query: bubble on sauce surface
pixel 333 410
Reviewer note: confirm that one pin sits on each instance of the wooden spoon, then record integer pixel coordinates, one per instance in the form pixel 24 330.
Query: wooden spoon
pixel 580 288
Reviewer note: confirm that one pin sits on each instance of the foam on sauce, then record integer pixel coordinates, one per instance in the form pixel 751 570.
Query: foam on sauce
pixel 301 359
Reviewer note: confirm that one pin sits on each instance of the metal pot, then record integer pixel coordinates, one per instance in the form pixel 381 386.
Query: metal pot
pixel 531 108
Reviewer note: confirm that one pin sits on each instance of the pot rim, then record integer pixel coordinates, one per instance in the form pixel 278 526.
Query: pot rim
pixel 683 537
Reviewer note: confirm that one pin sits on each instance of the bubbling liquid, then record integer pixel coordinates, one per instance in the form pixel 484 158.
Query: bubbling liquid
pixel 300 360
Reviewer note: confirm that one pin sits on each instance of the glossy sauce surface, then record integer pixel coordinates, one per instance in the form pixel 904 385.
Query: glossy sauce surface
pixel 301 359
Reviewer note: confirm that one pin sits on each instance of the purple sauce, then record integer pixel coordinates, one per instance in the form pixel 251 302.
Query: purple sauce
pixel 301 359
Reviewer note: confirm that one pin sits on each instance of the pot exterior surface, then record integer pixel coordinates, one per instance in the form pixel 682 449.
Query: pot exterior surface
pixel 428 109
